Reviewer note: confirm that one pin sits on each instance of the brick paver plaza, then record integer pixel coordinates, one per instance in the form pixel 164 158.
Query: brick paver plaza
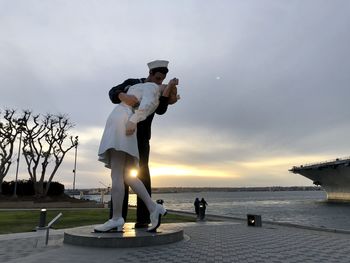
pixel 228 241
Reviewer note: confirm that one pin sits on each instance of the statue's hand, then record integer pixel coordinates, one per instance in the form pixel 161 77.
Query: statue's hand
pixel 173 82
pixel 130 128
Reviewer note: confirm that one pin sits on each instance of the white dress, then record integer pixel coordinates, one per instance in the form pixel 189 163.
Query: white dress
pixel 114 135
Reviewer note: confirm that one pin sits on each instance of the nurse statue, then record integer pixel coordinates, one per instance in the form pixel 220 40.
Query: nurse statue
pixel 119 152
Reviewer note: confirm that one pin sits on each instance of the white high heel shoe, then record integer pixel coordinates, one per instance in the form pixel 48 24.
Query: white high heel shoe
pixel 111 224
pixel 155 217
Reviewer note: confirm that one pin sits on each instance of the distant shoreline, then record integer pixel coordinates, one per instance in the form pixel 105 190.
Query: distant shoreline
pixel 234 189
pixel 164 190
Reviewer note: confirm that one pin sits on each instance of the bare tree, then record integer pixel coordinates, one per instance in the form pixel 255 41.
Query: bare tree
pixel 8 134
pixel 45 145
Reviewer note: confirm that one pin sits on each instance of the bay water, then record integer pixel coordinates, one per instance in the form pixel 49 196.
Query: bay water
pixel 307 208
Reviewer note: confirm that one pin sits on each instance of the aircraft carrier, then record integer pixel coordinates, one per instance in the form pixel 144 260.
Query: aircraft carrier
pixel 333 176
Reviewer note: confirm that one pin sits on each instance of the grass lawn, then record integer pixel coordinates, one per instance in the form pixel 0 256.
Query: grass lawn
pixel 26 220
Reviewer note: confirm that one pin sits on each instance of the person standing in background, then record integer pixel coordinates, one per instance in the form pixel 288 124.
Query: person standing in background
pixel 196 206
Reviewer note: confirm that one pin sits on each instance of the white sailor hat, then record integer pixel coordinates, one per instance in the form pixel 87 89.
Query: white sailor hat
pixel 158 64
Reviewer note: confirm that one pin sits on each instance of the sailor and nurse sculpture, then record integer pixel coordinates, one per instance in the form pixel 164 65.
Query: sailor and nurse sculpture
pixel 125 145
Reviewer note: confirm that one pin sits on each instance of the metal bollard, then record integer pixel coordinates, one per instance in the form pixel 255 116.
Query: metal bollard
pixel 42 219
pixel 254 220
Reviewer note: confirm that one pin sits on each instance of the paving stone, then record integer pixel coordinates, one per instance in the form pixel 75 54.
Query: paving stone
pixel 208 242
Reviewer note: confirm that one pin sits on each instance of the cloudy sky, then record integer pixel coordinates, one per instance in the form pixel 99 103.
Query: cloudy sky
pixel 264 83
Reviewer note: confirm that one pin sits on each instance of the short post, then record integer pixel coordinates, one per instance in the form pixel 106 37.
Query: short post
pixel 254 220
pixel 42 219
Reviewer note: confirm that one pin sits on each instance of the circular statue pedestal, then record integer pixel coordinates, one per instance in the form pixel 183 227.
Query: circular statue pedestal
pixel 85 236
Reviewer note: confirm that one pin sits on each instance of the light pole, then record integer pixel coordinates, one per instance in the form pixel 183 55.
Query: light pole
pixel 21 123
pixel 75 160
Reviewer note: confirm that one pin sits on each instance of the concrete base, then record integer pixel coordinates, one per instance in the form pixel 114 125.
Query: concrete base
pixel 85 236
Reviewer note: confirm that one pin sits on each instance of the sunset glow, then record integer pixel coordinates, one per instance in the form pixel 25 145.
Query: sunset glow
pixel 191 171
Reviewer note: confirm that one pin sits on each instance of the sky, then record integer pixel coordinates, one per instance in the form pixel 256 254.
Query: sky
pixel 264 84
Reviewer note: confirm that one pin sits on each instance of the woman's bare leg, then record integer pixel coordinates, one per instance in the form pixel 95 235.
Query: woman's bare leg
pixel 155 210
pixel 117 173
pixel 118 160
pixel 137 186
pixel 121 164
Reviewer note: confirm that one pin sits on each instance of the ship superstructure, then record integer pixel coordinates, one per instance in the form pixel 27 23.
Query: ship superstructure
pixel 333 176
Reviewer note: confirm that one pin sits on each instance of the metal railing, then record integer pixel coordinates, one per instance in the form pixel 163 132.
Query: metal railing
pixel 49 225
pixel 310 165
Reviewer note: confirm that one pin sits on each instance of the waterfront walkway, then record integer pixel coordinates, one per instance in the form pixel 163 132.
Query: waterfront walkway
pixel 229 240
